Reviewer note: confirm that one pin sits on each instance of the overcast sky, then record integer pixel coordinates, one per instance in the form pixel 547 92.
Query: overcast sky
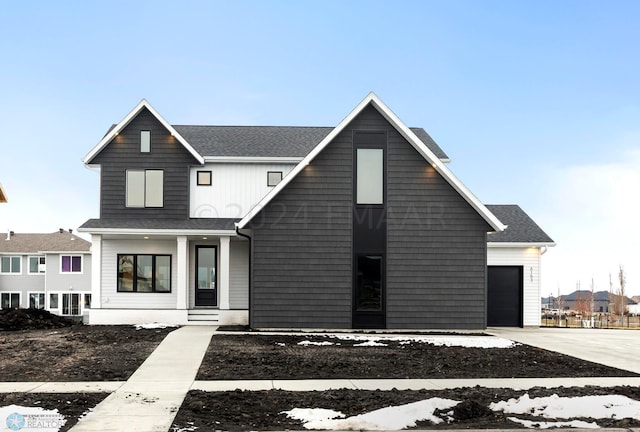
pixel 536 102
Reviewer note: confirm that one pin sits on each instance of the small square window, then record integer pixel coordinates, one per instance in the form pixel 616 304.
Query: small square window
pixel 273 177
pixel 204 178
pixel 145 141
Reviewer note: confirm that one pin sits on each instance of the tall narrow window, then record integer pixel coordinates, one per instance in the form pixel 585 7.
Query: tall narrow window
pixel 145 141
pixel 145 188
pixel 369 176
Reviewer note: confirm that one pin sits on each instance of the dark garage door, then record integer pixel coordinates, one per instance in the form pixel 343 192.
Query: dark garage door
pixel 504 297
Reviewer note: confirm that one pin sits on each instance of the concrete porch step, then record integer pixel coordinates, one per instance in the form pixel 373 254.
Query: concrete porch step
pixel 204 316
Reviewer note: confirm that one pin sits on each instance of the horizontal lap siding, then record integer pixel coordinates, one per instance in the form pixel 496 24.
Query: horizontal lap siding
pixel 436 247
pixel 123 153
pixel 302 247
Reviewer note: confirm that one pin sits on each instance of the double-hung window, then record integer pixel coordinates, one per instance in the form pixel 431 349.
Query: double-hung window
pixel 145 188
pixel 37 264
pixel 144 273
pixel 71 264
pixel 10 264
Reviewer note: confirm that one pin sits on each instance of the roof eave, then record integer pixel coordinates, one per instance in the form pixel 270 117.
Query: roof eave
pixel 520 244
pixel 125 121
pixel 166 232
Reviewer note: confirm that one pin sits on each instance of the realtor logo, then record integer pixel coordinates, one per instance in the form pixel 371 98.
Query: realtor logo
pixel 15 421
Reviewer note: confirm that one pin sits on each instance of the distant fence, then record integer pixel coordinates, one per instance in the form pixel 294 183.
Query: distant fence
pixel 599 321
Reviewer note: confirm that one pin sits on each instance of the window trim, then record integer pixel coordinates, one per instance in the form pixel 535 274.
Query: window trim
pixel 135 274
pixel 269 183
pixel 145 148
pixel 10 293
pixel 145 188
pixel 42 305
pixel 11 257
pixel 38 257
pixel 199 183
pixel 71 256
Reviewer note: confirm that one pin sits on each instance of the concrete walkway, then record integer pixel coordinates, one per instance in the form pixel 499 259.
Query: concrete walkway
pixel 150 399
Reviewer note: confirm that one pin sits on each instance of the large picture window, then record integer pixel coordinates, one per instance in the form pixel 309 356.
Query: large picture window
pixel 144 273
pixel 145 188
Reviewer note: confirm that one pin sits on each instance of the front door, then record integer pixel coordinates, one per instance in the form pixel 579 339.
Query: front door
pixel 206 287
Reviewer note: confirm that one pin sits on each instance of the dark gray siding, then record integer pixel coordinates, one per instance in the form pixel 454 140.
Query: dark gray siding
pixel 302 244
pixel 123 153
pixel 302 247
pixel 436 247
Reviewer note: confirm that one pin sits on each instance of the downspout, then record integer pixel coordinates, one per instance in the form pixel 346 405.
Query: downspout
pixel 250 272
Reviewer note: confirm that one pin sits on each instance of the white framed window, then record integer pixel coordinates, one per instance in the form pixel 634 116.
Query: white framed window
pixel 87 301
pixel 274 177
pixel 145 188
pixel 53 301
pixel 36 300
pixel 145 141
pixel 70 303
pixel 369 176
pixel 70 263
pixel 37 264
pixel 10 265
pixel 10 300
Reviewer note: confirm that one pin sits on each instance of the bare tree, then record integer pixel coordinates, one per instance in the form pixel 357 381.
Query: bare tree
pixel 559 304
pixel 622 296
pixel 583 303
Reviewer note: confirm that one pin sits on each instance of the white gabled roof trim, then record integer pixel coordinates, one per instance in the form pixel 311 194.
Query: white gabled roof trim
pixel 252 159
pixel 519 244
pixel 426 153
pixel 125 121
pixel 159 231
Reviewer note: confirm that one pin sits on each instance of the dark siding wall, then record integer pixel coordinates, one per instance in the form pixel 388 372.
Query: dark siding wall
pixel 123 153
pixel 302 247
pixel 436 247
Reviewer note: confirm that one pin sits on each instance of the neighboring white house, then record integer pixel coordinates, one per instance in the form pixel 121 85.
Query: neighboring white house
pixel 45 271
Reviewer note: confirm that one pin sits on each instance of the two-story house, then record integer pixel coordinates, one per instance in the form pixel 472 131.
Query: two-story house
pixel 362 225
pixel 46 271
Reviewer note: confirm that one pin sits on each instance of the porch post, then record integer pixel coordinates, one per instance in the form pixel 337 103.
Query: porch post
pixel 224 272
pixel 96 271
pixel 183 272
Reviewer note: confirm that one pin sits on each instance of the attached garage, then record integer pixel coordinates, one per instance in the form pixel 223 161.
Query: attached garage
pixel 513 274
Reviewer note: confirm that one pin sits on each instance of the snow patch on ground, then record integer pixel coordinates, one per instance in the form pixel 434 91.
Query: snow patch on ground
pixel 370 343
pixel 457 341
pixel 604 406
pixel 308 342
pixel 31 419
pixel 548 425
pixel 389 418
pixel 154 326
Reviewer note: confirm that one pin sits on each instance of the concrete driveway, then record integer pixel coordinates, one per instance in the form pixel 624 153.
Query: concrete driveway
pixel 616 348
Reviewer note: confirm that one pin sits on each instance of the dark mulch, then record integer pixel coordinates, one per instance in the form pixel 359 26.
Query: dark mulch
pixel 271 356
pixel 71 405
pixel 76 353
pixel 261 410
pixel 31 319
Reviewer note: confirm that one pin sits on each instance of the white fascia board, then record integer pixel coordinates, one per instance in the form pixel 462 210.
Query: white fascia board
pixel 125 121
pixel 250 159
pixel 408 135
pixel 164 232
pixel 519 244
pixel 84 252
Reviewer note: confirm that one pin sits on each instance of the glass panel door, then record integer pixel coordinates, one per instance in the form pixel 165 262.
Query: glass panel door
pixel 206 278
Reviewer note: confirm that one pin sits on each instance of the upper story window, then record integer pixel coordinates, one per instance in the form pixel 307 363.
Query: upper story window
pixel 71 263
pixel 145 188
pixel 204 178
pixel 369 166
pixel 145 141
pixel 37 264
pixel 274 177
pixel 10 265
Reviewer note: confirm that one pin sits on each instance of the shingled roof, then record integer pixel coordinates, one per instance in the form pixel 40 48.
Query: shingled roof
pixel 36 243
pixel 268 141
pixel 520 227
pixel 215 224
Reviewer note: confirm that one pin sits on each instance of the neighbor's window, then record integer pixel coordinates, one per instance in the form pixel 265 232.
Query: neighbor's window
pixel 273 177
pixel 204 178
pixel 144 273
pixel 145 141
pixel 71 304
pixel 87 301
pixel 36 300
pixel 71 263
pixel 10 300
pixel 37 264
pixel 369 176
pixel 53 301
pixel 10 264
pixel 145 188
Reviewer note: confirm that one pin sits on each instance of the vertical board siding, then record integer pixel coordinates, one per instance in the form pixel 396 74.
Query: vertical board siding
pixel 302 247
pixel 123 153
pixel 111 298
pixel 239 275
pixel 530 259
pixel 235 188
